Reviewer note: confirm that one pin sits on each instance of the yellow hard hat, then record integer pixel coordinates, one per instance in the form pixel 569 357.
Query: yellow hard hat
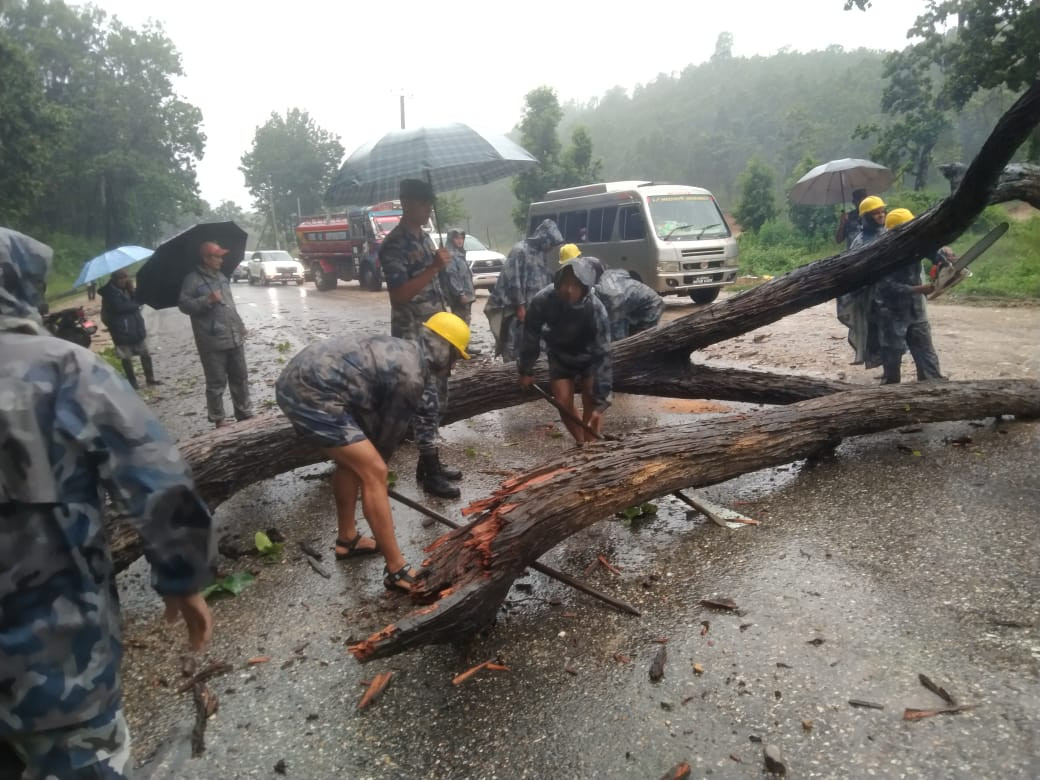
pixel 452 329
pixel 568 252
pixel 870 203
pixel 897 217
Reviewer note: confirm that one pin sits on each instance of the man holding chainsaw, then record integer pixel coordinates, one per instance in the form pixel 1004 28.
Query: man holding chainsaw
pixel 902 324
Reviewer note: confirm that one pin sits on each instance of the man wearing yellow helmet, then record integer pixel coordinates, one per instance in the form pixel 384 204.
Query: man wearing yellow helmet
pixel 355 398
pixel 902 318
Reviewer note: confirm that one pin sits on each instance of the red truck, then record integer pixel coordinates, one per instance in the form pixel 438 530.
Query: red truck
pixel 346 245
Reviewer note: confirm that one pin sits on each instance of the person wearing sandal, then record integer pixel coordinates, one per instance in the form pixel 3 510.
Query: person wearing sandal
pixel 355 397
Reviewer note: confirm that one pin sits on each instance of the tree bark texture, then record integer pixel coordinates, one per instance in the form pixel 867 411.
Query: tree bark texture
pixel 472 568
pixel 655 362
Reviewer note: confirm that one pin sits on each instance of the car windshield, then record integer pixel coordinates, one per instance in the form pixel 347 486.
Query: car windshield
pixel 471 244
pixel 276 256
pixel 384 223
pixel 686 217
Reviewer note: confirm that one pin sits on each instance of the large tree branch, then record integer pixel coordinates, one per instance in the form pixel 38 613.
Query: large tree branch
pixel 472 569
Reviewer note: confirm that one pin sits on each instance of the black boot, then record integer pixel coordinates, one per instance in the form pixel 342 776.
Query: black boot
pixel 428 475
pixel 453 474
pixel 128 369
pixel 149 371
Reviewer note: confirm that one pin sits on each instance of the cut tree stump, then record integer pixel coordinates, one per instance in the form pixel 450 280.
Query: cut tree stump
pixel 472 569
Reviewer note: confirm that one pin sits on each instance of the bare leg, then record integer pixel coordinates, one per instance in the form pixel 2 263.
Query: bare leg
pixel 563 392
pixel 369 474
pixel 345 487
pixel 588 406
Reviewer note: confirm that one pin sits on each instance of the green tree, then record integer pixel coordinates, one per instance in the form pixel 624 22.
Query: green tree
pixel 921 115
pixel 811 221
pixel 290 165
pixel 556 167
pixel 29 128
pixel 451 211
pixel 123 164
pixel 964 46
pixel 723 47
pixel 757 202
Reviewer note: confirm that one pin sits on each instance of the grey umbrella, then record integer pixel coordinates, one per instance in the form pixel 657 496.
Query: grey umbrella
pixel 834 181
pixel 449 157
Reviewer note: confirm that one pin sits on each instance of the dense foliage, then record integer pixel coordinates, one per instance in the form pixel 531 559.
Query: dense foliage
pixel 96 143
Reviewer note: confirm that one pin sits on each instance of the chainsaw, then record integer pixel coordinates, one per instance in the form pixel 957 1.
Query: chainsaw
pixel 951 271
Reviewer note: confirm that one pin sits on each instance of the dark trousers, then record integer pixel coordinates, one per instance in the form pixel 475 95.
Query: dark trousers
pixel 919 342
pixel 226 368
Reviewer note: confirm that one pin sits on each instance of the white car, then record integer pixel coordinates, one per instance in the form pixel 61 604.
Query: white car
pixel 273 265
pixel 485 263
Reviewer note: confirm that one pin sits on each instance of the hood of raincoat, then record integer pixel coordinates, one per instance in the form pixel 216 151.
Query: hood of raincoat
pixel 546 236
pixel 583 270
pixel 24 263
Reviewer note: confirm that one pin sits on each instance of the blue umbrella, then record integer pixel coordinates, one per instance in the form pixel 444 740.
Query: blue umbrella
pixel 110 261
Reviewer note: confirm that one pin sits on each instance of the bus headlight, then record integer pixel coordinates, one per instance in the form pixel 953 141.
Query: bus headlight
pixel 668 267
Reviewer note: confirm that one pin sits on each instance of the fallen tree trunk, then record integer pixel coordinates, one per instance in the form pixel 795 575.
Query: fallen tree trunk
pixel 223 465
pixel 1019 181
pixel 657 361
pixel 472 569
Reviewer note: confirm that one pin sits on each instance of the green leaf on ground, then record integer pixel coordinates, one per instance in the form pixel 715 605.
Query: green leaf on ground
pixel 391 478
pixel 231 585
pixel 471 452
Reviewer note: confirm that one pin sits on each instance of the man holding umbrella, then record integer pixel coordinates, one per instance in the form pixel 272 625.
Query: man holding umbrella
pixel 219 333
pixel 412 268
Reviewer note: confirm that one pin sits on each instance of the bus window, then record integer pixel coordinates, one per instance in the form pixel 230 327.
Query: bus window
pixel 572 224
pixel 601 224
pixel 630 224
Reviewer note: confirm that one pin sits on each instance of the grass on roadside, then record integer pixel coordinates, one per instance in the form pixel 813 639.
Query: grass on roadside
pixel 1010 269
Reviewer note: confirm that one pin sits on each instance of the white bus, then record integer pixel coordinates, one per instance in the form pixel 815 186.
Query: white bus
pixel 672 237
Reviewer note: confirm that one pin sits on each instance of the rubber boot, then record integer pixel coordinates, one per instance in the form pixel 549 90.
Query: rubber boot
pixel 892 368
pixel 450 474
pixel 149 371
pixel 428 475
pixel 128 369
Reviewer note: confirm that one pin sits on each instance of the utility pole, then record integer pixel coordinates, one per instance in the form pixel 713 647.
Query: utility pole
pixel 402 111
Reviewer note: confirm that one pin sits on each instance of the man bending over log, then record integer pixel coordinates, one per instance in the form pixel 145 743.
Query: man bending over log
pixel 354 397
pixel 577 339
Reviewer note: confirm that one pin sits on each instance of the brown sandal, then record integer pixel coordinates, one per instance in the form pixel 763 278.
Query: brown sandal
pixel 353 551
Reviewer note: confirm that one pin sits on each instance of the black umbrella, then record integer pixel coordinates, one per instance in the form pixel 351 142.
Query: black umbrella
pixel 159 279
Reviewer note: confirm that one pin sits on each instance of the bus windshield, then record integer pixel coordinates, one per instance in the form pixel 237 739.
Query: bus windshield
pixel 686 217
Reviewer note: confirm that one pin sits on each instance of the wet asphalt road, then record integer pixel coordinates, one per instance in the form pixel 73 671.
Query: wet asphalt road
pixel 905 553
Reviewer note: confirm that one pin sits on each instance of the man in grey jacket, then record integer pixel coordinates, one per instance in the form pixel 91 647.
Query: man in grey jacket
pixel 219 334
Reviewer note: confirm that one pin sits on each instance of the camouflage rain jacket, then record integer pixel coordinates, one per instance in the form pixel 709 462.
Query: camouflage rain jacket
pixel 578 336
pixel 70 426
pixel 385 383
pixel 217 326
pixel 524 273
pixel 631 305
pixel 403 256
pixel 457 279
pixel 857 311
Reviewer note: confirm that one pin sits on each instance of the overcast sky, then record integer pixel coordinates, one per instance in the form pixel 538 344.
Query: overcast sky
pixel 347 63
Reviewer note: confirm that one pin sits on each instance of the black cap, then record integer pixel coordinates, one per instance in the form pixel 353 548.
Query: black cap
pixel 416 189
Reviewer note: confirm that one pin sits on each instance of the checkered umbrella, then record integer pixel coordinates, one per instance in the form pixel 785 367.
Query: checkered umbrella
pixel 449 157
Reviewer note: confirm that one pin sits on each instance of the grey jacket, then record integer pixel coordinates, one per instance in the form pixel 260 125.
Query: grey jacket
pixel 217 326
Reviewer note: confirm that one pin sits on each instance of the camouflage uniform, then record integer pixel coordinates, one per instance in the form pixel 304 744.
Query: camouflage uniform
pixel 903 323
pixel 577 337
pixel 856 309
pixel 404 255
pixel 523 275
pixel 457 280
pixel 70 425
pixel 220 338
pixel 631 305
pixel 375 384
